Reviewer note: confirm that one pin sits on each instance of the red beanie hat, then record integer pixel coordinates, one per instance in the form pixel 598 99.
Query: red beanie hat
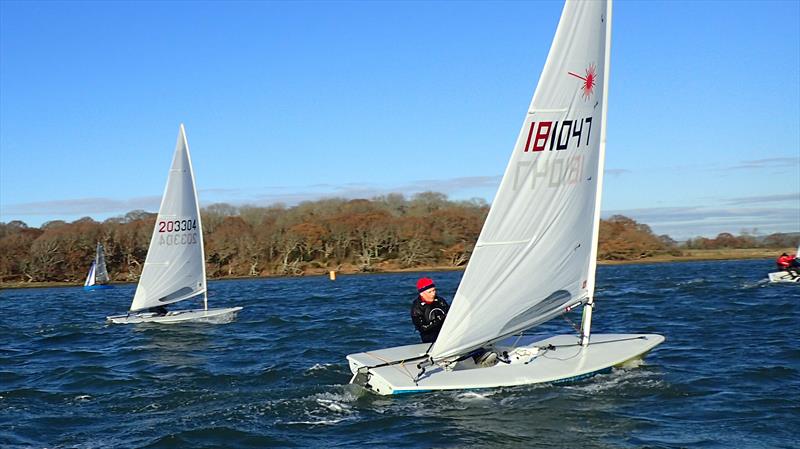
pixel 424 284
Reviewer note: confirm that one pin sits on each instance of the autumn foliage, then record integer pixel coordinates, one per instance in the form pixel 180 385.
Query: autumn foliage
pixel 384 233
pixel 388 232
pixel 622 238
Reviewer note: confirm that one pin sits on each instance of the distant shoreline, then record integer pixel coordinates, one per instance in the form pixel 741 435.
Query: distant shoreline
pixel 695 255
pixel 699 255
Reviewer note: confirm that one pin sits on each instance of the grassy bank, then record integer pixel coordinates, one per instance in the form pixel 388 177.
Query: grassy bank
pixel 708 254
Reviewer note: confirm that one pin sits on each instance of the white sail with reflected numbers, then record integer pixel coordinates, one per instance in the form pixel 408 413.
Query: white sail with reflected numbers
pixel 174 269
pixel 536 252
pixel 535 257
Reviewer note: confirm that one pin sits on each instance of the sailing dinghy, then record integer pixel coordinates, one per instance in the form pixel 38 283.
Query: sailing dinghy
pixel 790 277
pixel 175 268
pixel 536 255
pixel 97 279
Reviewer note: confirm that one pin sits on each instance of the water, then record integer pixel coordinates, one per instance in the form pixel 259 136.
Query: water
pixel 727 376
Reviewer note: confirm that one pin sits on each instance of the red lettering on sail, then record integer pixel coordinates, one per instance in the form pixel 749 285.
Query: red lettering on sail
pixel 541 135
pixel 530 133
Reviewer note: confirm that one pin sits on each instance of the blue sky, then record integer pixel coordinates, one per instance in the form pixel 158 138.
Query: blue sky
pixel 303 100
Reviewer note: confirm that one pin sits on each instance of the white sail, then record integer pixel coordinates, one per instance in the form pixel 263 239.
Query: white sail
pixel 101 274
pixel 535 254
pixel 90 277
pixel 174 269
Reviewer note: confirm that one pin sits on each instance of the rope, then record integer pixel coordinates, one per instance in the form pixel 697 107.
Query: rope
pixel 571 323
pixel 544 350
pixel 518 338
pixel 397 362
pixel 597 342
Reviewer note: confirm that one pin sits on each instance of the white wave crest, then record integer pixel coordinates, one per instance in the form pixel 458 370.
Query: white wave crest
pixel 318 367
pixel 472 396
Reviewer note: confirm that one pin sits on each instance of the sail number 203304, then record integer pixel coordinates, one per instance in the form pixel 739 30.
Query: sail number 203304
pixel 177 225
pixel 177 232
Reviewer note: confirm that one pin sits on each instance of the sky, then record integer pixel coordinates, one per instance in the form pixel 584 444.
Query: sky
pixel 293 101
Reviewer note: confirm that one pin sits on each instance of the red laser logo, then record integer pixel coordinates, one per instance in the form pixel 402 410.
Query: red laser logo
pixel 589 81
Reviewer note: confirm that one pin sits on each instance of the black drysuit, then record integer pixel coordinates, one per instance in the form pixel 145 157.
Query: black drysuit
pixel 428 318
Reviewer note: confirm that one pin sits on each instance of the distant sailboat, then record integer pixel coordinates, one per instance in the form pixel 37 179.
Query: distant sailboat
pixel 536 255
pixel 175 268
pixel 97 278
pixel 786 277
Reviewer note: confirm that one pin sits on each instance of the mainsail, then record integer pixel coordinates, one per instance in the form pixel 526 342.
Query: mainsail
pixel 97 271
pixel 101 274
pixel 90 277
pixel 536 253
pixel 174 269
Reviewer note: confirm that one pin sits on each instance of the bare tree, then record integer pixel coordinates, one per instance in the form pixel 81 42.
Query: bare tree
pixel 46 260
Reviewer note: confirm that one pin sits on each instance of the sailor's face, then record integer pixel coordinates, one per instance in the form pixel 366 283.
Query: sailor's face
pixel 428 295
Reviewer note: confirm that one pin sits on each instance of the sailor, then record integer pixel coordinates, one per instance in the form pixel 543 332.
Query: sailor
pixel 428 310
pixel 789 263
pixel 784 262
pixel 158 311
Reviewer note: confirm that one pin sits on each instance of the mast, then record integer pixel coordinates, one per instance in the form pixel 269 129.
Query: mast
pixel 586 320
pixel 199 223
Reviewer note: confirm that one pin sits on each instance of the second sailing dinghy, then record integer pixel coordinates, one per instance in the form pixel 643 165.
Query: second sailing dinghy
pixel 536 255
pixel 175 269
pixel 97 279
pixel 785 276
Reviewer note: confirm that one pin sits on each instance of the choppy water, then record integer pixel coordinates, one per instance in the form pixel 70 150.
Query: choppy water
pixel 728 375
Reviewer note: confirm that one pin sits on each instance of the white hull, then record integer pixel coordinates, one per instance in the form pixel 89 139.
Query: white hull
pixel 217 316
pixel 555 359
pixel 783 276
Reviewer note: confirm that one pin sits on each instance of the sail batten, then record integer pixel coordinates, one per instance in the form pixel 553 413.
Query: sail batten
pixel 533 257
pixel 548 111
pixel 514 242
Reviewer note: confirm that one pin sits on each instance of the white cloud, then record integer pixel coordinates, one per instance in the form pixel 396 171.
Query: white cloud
pixel 787 197
pixel 767 213
pixel 766 164
pixel 616 172
pixel 453 187
pixel 686 222
pixel 80 206
pixel 35 213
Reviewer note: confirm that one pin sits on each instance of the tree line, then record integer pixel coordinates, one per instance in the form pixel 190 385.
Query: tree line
pixel 384 233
